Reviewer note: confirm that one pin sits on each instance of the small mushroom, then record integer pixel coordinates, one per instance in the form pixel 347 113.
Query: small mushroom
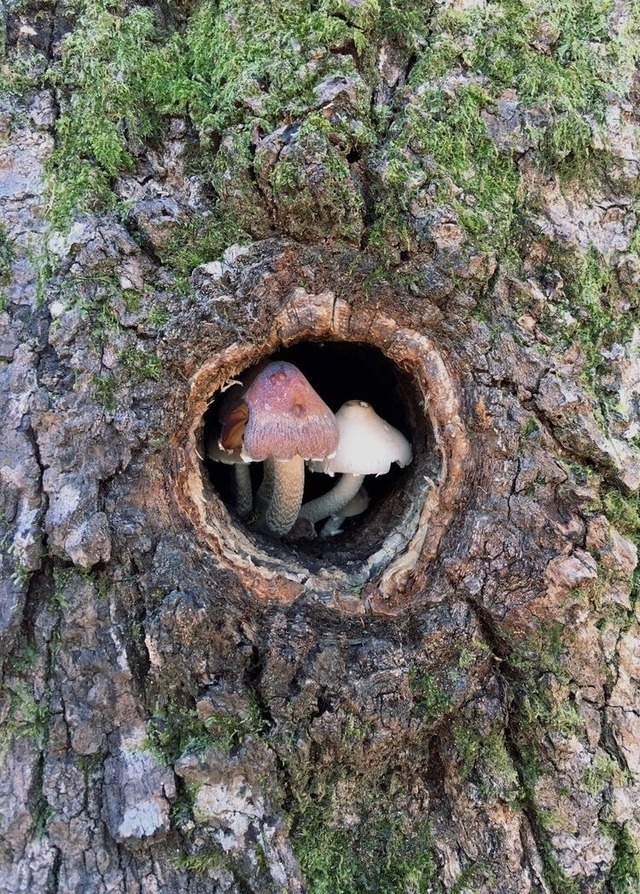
pixel 354 507
pixel 230 404
pixel 242 475
pixel 368 445
pixel 282 421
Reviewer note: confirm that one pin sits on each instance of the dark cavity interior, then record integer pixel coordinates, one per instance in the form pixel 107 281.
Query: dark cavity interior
pixel 341 371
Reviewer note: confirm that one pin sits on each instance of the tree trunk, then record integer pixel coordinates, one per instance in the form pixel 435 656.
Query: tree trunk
pixel 434 210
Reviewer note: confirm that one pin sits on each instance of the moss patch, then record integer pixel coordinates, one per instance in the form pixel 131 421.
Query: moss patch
pixel 28 718
pixel 485 761
pixel 106 112
pixel 239 70
pixel 430 700
pixel 370 847
pixel 176 729
pixel 624 876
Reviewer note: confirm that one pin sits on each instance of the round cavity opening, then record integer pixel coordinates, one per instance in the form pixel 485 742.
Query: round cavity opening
pixel 339 372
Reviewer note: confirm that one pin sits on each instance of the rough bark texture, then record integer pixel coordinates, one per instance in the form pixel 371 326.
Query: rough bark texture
pixel 446 698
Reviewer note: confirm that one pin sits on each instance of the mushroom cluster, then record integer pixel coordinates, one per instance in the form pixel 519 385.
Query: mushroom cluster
pixel 274 416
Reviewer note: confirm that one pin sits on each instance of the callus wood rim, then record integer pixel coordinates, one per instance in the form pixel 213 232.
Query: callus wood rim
pixel 384 583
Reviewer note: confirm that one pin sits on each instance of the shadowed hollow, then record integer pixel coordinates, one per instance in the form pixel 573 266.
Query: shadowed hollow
pixel 341 371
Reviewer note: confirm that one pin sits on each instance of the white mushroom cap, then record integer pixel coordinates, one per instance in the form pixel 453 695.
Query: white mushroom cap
pixel 367 446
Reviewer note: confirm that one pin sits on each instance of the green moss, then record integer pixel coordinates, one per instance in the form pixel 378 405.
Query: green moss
pixel 468 880
pixel 560 62
pixel 241 68
pixel 542 650
pixel 529 428
pixel 6 261
pixel 376 850
pixel 200 240
pixel 233 49
pixel 604 771
pixel 140 365
pixel 430 700
pixel 104 390
pixel 486 761
pixel 470 656
pixel 202 862
pixel 28 718
pixel 102 77
pixel 177 729
pixel 317 200
pixel 6 256
pixel 95 299
pixel 62 579
pixel 23 657
pixel 624 875
pixel 623 511
pixel 466 168
pixel 591 296
pixel 240 206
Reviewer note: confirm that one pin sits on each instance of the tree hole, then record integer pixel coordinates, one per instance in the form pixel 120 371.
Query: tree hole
pixel 339 372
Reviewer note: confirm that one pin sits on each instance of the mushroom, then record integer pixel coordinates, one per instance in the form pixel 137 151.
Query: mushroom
pixel 354 507
pixel 282 421
pixel 242 475
pixel 368 445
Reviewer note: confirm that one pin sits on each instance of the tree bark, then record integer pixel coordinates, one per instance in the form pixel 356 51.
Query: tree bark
pixel 444 698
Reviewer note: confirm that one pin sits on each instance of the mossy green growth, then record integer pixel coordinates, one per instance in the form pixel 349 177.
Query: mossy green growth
pixel 442 136
pixel 561 60
pixel 314 192
pixel 106 112
pixel 542 823
pixel 201 863
pixel 623 511
pixel 104 389
pixel 177 729
pixel 240 209
pixel 430 700
pixel 243 68
pixel 141 365
pixel 6 260
pixel 557 63
pixel 486 761
pixel 6 256
pixel 376 850
pixel 202 239
pixel 624 875
pixel 241 59
pixel 604 771
pixel 592 298
pixel 28 718
pixel 23 657
pixel 234 64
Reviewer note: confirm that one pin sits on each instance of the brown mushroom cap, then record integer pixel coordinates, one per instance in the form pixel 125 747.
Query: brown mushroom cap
pixel 283 417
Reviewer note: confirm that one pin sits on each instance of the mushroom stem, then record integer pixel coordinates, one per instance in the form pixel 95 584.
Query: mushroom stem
pixel 334 500
pixel 286 493
pixel 244 494
pixel 263 494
